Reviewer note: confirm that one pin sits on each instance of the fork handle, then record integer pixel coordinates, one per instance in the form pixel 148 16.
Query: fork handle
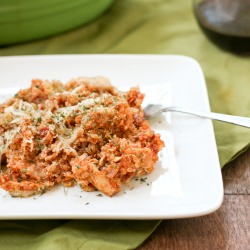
pixel 238 120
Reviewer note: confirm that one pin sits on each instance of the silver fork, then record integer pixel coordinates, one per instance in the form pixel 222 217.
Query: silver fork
pixel 154 110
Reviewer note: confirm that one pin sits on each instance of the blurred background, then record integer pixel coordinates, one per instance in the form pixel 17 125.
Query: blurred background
pixel 26 20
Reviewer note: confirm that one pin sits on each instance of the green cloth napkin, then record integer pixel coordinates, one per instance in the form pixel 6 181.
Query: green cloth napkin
pixel 147 27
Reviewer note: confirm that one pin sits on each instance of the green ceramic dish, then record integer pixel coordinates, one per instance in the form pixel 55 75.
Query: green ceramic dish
pixel 26 20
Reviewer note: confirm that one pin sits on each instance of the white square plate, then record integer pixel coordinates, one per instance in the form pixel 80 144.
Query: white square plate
pixel 187 179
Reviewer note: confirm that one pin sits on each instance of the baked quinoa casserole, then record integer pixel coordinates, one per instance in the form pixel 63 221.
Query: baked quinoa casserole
pixel 85 132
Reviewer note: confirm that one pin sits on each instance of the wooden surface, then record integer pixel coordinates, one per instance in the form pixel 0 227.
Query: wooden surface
pixel 227 228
